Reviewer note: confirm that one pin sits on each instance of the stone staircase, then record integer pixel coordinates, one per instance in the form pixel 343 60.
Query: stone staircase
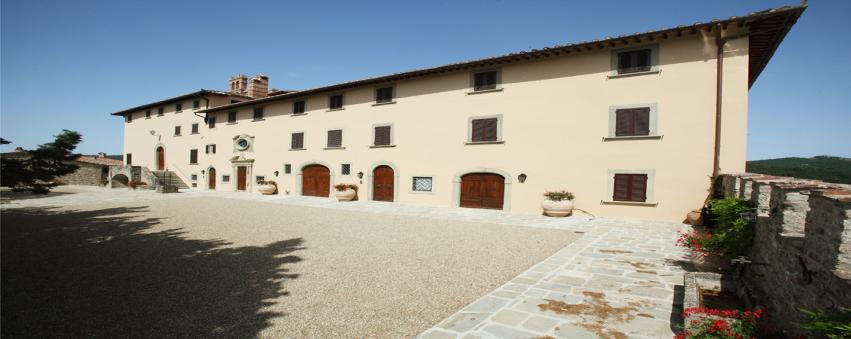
pixel 169 178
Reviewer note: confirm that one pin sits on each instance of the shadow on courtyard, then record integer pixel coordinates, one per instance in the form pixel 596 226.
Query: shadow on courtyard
pixel 105 274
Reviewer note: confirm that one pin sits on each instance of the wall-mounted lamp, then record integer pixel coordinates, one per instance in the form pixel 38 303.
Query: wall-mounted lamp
pixel 202 172
pixel 360 175
pixel 521 178
pixel 276 173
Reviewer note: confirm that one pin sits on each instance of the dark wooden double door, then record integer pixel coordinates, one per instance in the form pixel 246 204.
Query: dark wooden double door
pixel 316 181
pixel 383 183
pixel 160 159
pixel 482 190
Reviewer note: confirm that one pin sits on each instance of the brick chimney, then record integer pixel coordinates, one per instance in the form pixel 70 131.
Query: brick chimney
pixel 101 155
pixel 19 149
pixel 239 84
pixel 258 87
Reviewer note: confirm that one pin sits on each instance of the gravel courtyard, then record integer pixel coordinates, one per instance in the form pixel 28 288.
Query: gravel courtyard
pixel 209 266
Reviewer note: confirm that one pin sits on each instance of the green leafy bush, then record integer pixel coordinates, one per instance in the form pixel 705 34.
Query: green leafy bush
pixel 732 235
pixel 834 325
pixel 559 195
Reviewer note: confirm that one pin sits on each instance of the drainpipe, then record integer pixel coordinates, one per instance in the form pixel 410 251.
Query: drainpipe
pixel 719 42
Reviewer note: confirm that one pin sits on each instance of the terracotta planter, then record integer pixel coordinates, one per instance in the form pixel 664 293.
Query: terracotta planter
pixel 711 263
pixel 346 195
pixel 267 189
pixel 554 208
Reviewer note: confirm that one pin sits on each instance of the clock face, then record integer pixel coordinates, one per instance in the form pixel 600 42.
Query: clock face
pixel 242 144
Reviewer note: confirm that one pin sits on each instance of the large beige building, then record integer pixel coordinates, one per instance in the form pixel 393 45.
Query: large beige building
pixel 634 126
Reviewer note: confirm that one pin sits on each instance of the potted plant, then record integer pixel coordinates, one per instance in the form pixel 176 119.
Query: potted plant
pixel 345 192
pixel 267 187
pixel 558 203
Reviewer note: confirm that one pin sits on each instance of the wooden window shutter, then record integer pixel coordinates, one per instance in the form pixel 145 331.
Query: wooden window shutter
pixel 621 188
pixel 193 156
pixel 485 129
pixel 641 123
pixel 638 187
pixel 297 141
pixel 335 138
pixel 382 136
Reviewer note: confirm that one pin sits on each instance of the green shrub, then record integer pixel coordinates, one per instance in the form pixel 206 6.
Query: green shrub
pixel 834 325
pixel 732 236
pixel 559 195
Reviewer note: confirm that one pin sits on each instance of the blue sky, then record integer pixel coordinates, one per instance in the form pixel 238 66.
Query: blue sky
pixel 68 64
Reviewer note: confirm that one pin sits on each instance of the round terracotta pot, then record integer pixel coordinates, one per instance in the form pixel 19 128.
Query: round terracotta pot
pixel 554 208
pixel 267 189
pixel 346 195
pixel 711 263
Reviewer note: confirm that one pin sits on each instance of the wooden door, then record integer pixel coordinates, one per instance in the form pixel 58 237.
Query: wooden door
pixel 241 178
pixel 383 185
pixel 482 190
pixel 211 181
pixel 160 159
pixel 316 181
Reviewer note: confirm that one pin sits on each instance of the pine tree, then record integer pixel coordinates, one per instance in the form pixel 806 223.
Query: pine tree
pixel 48 161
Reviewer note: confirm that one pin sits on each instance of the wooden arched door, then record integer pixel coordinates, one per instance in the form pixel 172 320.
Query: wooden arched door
pixel 160 159
pixel 211 178
pixel 316 181
pixel 383 185
pixel 482 190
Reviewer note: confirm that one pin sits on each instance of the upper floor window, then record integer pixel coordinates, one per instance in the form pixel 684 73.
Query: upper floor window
pixel 232 117
pixel 211 122
pixel 298 107
pixel 486 129
pixel 258 113
pixel 384 95
pixel 630 187
pixel 128 158
pixel 297 141
pixel 147 114
pixel 176 130
pixel 210 149
pixel 288 168
pixel 637 60
pixel 335 101
pixel 195 128
pixel 193 156
pixel 335 138
pixel 486 80
pixel 196 103
pixel 383 136
pixel 160 111
pixel 632 121
pixel 178 107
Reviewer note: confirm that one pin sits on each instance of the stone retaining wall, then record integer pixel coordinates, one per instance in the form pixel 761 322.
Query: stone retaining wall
pixel 801 256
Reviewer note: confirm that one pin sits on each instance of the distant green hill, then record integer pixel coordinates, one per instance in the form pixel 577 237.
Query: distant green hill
pixel 822 167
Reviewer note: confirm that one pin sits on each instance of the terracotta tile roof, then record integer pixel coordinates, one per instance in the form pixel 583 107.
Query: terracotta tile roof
pixel 100 160
pixel 198 93
pixel 767 30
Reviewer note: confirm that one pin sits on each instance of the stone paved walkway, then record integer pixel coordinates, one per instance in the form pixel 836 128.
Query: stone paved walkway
pixel 617 281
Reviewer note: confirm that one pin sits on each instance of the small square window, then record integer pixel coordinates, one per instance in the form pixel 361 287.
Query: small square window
pixel 193 157
pixel 485 130
pixel 194 177
pixel 195 128
pixel 178 107
pixel 176 130
pixel 335 101
pixel 147 114
pixel 259 178
pixel 160 111
pixel 288 168
pixel 232 117
pixel 211 122
pixel 196 103
pixel 630 187
pixel 384 94
pixel 298 107
pixel 422 184
pixel 632 122
pixel 345 169
pixel 297 141
pixel 258 113
pixel 483 81
pixel 382 136
pixel 194 184
pixel 211 149
pixel 225 178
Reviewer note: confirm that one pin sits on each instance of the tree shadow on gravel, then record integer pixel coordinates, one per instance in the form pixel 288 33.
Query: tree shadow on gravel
pixel 105 274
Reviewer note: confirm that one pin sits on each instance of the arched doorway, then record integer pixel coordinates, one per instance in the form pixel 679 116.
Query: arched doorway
pixel 383 183
pixel 211 178
pixel 316 181
pixel 120 180
pixel 482 190
pixel 160 158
